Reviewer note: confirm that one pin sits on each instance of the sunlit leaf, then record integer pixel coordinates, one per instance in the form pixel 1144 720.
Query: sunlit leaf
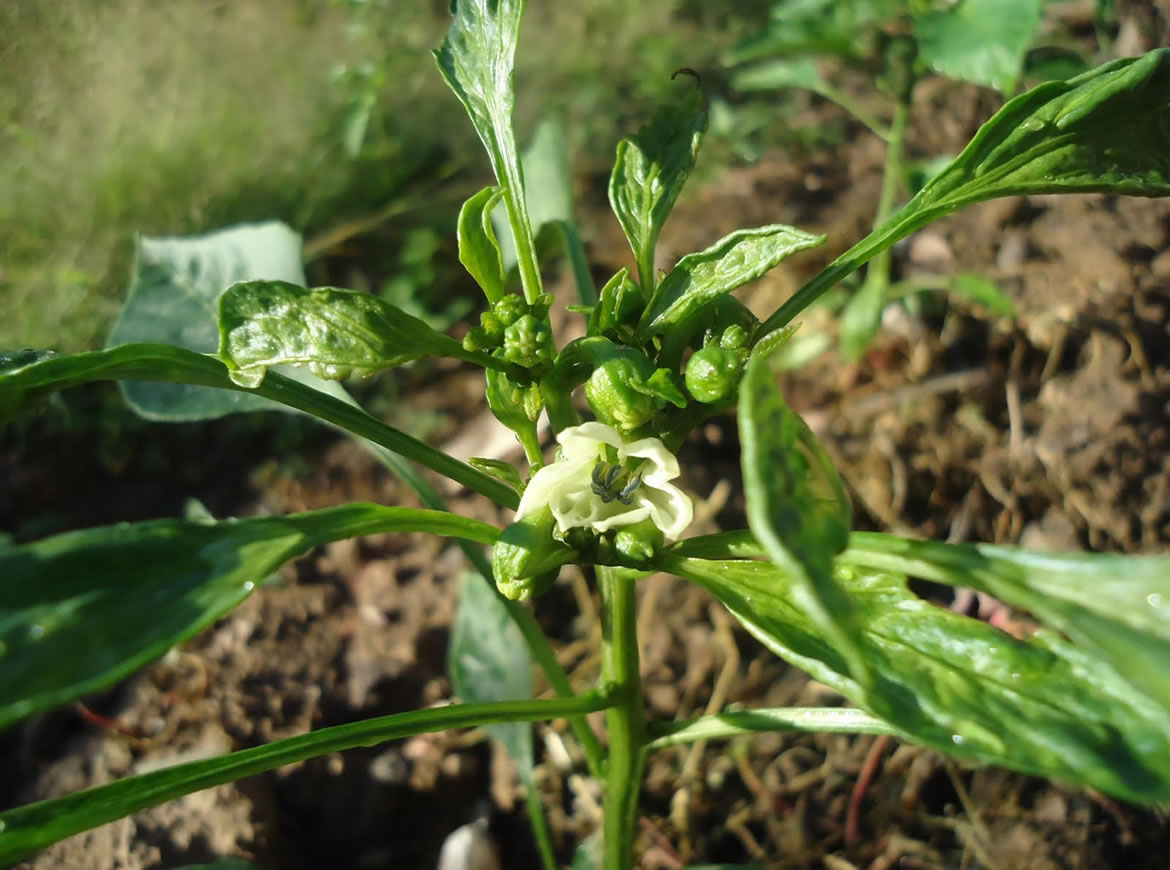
pixel 336 333
pixel 797 506
pixel 1042 706
pixel 160 362
pixel 26 829
pixel 1117 607
pixel 479 251
pixel 173 299
pixel 698 279
pixel 1104 131
pixel 80 610
pixel 979 41
pixel 649 173
pixel 476 60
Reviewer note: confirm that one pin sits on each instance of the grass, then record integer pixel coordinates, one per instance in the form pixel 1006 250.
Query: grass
pixel 124 116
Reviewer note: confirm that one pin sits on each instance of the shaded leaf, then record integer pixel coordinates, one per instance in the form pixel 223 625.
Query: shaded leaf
pixel 700 278
pixel 173 299
pixel 958 685
pixel 80 610
pixel 861 318
pixel 650 170
pixel 797 506
pixel 489 661
pixel 799 73
pixel 336 333
pixel 160 362
pixel 979 41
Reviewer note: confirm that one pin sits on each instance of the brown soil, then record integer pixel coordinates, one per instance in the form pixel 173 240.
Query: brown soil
pixel 1050 430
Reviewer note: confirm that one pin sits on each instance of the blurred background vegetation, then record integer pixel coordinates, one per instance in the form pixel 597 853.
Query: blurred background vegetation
pixel 126 116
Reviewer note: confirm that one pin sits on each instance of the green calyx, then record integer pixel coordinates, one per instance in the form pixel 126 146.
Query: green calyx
pixel 526 556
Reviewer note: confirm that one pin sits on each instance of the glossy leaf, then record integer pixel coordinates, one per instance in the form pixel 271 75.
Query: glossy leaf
pixel 80 610
pixel 173 299
pixel 336 333
pixel 797 506
pixel 479 251
pixel 26 829
pixel 1116 607
pixel 979 41
pixel 699 279
pixel 476 60
pixel 160 362
pixel 1103 131
pixel 958 685
pixel 738 723
pixel 649 173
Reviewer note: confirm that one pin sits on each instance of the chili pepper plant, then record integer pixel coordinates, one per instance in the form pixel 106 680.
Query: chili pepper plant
pixel 1085 700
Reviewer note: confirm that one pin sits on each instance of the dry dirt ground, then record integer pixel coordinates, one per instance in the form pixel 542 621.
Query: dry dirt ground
pixel 1051 430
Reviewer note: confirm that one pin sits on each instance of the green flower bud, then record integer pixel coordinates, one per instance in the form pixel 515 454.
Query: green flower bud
pixel 509 309
pixel 526 557
pixel 612 393
pixel 713 373
pixel 637 546
pixel 527 342
pixel 734 337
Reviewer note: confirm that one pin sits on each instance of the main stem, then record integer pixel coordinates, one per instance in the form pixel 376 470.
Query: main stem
pixel 879 267
pixel 626 719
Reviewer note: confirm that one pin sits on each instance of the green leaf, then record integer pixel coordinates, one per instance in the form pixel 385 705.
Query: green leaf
pixel 979 41
pixel 476 60
pixel 700 278
pixel 958 685
pixel 173 299
pixel 160 362
pixel 798 73
pixel 479 252
pixel 500 470
pixel 649 173
pixel 26 829
pixel 488 661
pixel 736 723
pixel 862 318
pixel 797 507
pixel 844 28
pixel 1116 607
pixel 1099 132
pixel 80 610
pixel 336 333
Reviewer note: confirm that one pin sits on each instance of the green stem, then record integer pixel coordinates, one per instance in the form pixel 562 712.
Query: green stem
pixel 626 719
pixel 34 826
pixel 540 829
pixel 513 182
pixel 879 269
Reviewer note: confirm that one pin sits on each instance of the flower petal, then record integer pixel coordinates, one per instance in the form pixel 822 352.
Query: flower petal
pixel 583 442
pixel 551 479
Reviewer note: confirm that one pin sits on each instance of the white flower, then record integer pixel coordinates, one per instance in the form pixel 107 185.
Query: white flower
pixel 599 482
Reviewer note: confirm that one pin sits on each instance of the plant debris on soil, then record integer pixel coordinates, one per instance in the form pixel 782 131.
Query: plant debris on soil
pixel 1050 430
